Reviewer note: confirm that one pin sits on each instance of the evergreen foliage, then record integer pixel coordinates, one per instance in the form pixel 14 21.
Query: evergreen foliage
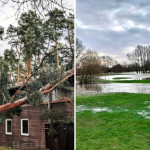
pixel 37 48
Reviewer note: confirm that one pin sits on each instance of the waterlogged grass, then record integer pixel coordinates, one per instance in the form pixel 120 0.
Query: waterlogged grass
pixel 102 81
pixel 5 148
pixel 123 128
pixel 121 78
pixel 132 81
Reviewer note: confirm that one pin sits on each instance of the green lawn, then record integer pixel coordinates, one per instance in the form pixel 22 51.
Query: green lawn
pixel 121 78
pixel 121 128
pixel 5 148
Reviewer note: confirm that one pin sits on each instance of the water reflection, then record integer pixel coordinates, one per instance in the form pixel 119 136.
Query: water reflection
pixel 113 88
pixel 90 89
pixel 128 75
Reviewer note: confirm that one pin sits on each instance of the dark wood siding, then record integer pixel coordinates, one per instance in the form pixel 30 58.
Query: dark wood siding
pixel 36 138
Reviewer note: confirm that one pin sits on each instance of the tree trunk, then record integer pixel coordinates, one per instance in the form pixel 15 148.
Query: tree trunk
pixel 30 59
pixel 18 77
pixel 25 72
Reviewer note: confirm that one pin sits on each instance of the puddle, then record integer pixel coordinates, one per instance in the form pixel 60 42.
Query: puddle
pixel 144 114
pixel 95 110
pixel 81 108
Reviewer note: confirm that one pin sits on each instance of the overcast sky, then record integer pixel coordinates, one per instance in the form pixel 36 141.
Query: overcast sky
pixel 7 17
pixel 113 27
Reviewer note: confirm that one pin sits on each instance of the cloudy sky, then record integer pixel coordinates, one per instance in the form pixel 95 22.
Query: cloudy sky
pixel 7 17
pixel 113 27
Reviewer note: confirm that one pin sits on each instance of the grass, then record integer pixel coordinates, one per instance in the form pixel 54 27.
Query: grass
pixel 121 78
pixel 122 81
pixel 131 81
pixel 5 148
pixel 108 74
pixel 101 81
pixel 119 130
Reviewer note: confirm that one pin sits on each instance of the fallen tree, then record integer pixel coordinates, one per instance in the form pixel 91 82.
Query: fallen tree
pixel 23 100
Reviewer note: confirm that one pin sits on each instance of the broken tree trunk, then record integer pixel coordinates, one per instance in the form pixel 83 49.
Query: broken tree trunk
pixel 22 101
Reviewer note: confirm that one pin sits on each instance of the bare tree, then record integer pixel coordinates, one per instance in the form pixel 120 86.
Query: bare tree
pixel 79 47
pixel 40 6
pixel 90 66
pixel 140 58
pixel 108 62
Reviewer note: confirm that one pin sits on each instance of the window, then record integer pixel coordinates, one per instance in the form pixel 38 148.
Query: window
pixel 25 127
pixel 8 126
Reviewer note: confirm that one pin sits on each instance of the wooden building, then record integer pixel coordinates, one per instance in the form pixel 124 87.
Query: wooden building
pixel 29 131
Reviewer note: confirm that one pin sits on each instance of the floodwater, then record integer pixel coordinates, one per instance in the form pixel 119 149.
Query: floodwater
pixel 91 89
pixel 128 75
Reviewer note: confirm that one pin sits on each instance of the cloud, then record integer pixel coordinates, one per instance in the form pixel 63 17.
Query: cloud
pixel 113 27
pixel 129 49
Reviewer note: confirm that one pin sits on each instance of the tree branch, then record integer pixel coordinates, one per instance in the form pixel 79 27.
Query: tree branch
pixel 22 101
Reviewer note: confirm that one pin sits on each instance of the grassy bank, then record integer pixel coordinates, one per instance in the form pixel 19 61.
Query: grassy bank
pixel 132 81
pixel 113 121
pixel 121 78
pixel 122 81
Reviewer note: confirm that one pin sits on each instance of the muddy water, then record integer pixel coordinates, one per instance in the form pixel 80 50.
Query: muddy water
pixel 129 75
pixel 98 88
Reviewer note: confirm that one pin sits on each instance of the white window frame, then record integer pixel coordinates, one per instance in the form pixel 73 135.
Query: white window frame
pixel 25 134
pixel 9 133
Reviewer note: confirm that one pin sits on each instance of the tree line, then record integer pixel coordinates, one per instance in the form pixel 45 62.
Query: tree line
pixel 31 39
pixel 40 58
pixel 90 64
pixel 140 58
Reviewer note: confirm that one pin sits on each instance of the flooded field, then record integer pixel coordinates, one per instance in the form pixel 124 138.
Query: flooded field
pixel 127 76
pixel 91 89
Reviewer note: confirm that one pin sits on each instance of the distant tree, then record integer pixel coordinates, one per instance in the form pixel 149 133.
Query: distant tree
pixel 90 66
pixel 118 68
pixel 79 48
pixel 140 58
pixel 108 62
